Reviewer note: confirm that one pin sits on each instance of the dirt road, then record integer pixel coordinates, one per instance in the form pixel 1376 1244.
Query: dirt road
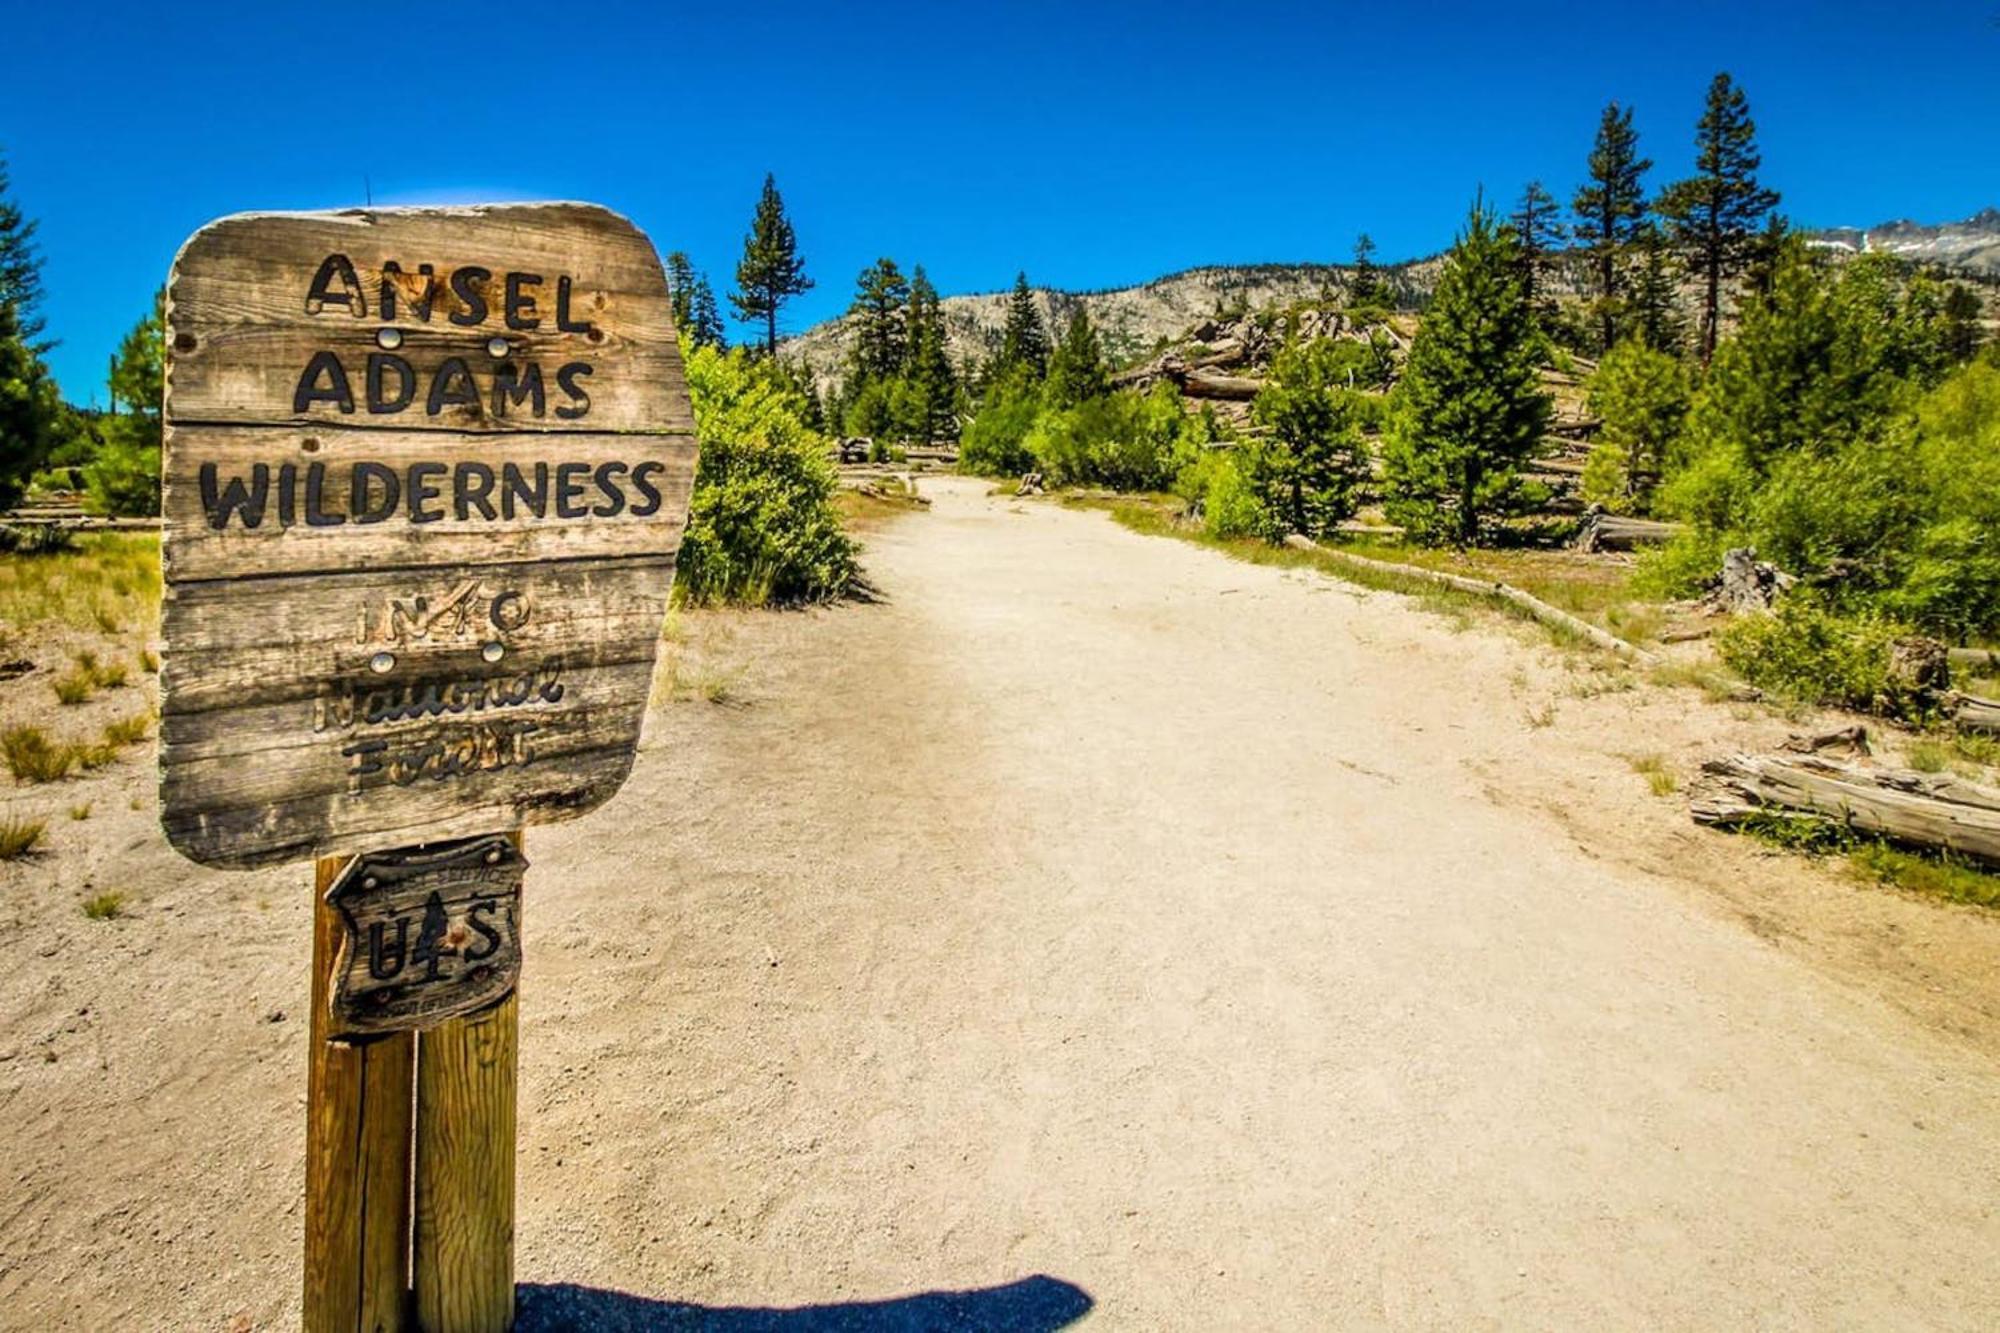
pixel 1097 928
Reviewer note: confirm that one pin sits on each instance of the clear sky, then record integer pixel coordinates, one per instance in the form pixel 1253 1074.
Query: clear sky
pixel 1091 144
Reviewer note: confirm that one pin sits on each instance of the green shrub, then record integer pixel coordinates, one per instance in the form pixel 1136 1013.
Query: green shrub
pixel 1124 441
pixel 1805 653
pixel 1642 397
pixel 1309 474
pixel 994 444
pixel 1213 483
pixel 124 478
pixel 761 525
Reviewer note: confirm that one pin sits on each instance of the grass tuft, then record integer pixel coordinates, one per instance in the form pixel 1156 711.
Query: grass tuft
pixel 74 687
pixel 80 811
pixel 32 757
pixel 20 837
pixel 1653 768
pixel 128 730
pixel 104 906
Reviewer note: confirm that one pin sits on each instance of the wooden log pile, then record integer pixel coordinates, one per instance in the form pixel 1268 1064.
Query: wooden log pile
pixel 1933 812
pixel 1603 531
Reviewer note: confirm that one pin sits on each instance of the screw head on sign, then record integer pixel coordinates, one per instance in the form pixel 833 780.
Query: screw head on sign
pixel 496 346
pixel 389 339
pixel 370 882
pixel 493 651
pixel 382 662
pixel 493 856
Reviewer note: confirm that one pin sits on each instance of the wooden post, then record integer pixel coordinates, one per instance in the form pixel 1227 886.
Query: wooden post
pixel 357 1156
pixel 464 1219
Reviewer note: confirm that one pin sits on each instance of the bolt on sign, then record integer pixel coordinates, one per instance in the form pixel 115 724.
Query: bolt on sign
pixel 426 472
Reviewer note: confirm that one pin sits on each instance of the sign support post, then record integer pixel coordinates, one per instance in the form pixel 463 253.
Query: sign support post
pixel 358 1101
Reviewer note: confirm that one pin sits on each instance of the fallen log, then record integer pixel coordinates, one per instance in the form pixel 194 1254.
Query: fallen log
pixel 1603 531
pixel 1975 714
pixel 1533 606
pixel 1928 811
pixel 1981 660
pixel 1207 384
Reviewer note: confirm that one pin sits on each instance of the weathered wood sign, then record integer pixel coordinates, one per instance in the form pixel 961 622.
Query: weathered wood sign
pixel 432 933
pixel 426 473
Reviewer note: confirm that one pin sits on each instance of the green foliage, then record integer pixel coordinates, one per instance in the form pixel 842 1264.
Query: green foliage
pixel 30 409
pixel 1538 230
pixel 879 317
pixel 695 314
pixel 1309 474
pixel 20 269
pixel 1077 372
pixel 762 525
pixel 1806 653
pixel 1715 215
pixel 124 477
pixel 1654 308
pixel 1609 208
pixel 931 392
pixel 1367 294
pixel 1641 395
pixel 1470 410
pixel 1124 441
pixel 995 443
pixel 771 271
pixel 1216 485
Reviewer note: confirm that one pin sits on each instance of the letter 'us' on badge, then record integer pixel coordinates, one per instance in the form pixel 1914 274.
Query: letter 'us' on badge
pixel 426 475
pixel 431 933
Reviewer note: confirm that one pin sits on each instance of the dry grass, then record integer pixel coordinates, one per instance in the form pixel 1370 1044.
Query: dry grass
pixel 128 730
pixel 1659 778
pixel 104 906
pixel 20 837
pixel 32 757
pixel 80 811
pixel 109 582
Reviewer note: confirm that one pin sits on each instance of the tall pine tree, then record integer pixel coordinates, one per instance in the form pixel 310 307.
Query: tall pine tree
pixel 879 318
pixel 1364 288
pixel 1024 343
pixel 771 271
pixel 1717 213
pixel 1538 229
pixel 680 289
pixel 20 267
pixel 1610 208
pixel 1470 411
pixel 1656 304
pixel 1077 372
pixel 29 409
pixel 933 386
pixel 706 330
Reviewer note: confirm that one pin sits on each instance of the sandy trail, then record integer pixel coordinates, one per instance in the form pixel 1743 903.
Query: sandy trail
pixel 1099 928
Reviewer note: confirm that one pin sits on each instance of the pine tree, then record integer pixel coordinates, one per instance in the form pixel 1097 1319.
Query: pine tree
pixel 1308 475
pixel 680 291
pixel 29 409
pixel 1364 288
pixel 771 271
pixel 879 318
pixel 1539 231
pixel 1716 214
pixel 124 477
pixel 1077 371
pixel 1961 323
pixel 706 326
pixel 1655 305
pixel 1610 208
pixel 1470 411
pixel 20 268
pixel 933 384
pixel 1024 344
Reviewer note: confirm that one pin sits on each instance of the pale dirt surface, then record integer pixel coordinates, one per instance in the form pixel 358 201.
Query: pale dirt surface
pixel 1097 927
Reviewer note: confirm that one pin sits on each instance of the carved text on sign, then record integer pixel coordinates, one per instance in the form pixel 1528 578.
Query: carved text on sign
pixel 431 933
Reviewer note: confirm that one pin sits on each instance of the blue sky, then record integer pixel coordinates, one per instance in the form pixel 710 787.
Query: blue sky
pixel 1092 145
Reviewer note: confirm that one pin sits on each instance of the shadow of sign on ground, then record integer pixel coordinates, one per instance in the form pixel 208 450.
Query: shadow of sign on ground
pixel 1038 1304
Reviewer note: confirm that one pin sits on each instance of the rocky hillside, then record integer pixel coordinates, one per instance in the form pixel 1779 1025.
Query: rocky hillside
pixel 1971 247
pixel 1139 322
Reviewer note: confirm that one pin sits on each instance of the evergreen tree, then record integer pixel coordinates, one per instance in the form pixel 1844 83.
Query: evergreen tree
pixel 1961 323
pixel 1641 395
pixel 1470 411
pixel 1024 344
pixel 879 318
pixel 1365 290
pixel 706 321
pixel 771 271
pixel 1539 231
pixel 1610 207
pixel 1655 306
pixel 1308 475
pixel 1716 214
pixel 928 372
pixel 680 290
pixel 1077 371
pixel 20 268
pixel 30 409
pixel 124 477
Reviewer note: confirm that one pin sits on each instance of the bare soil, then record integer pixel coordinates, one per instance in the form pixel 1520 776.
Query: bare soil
pixel 1094 928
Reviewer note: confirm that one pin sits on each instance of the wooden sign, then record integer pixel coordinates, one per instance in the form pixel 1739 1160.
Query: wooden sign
pixel 426 473
pixel 431 933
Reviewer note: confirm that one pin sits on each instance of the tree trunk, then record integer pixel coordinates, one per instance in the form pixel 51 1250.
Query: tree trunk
pixel 1933 812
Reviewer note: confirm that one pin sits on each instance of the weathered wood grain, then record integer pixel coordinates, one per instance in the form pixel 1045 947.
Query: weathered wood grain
pixel 241 335
pixel 1911 808
pixel 358 1134
pixel 478 652
pixel 470 513
pixel 462 1236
